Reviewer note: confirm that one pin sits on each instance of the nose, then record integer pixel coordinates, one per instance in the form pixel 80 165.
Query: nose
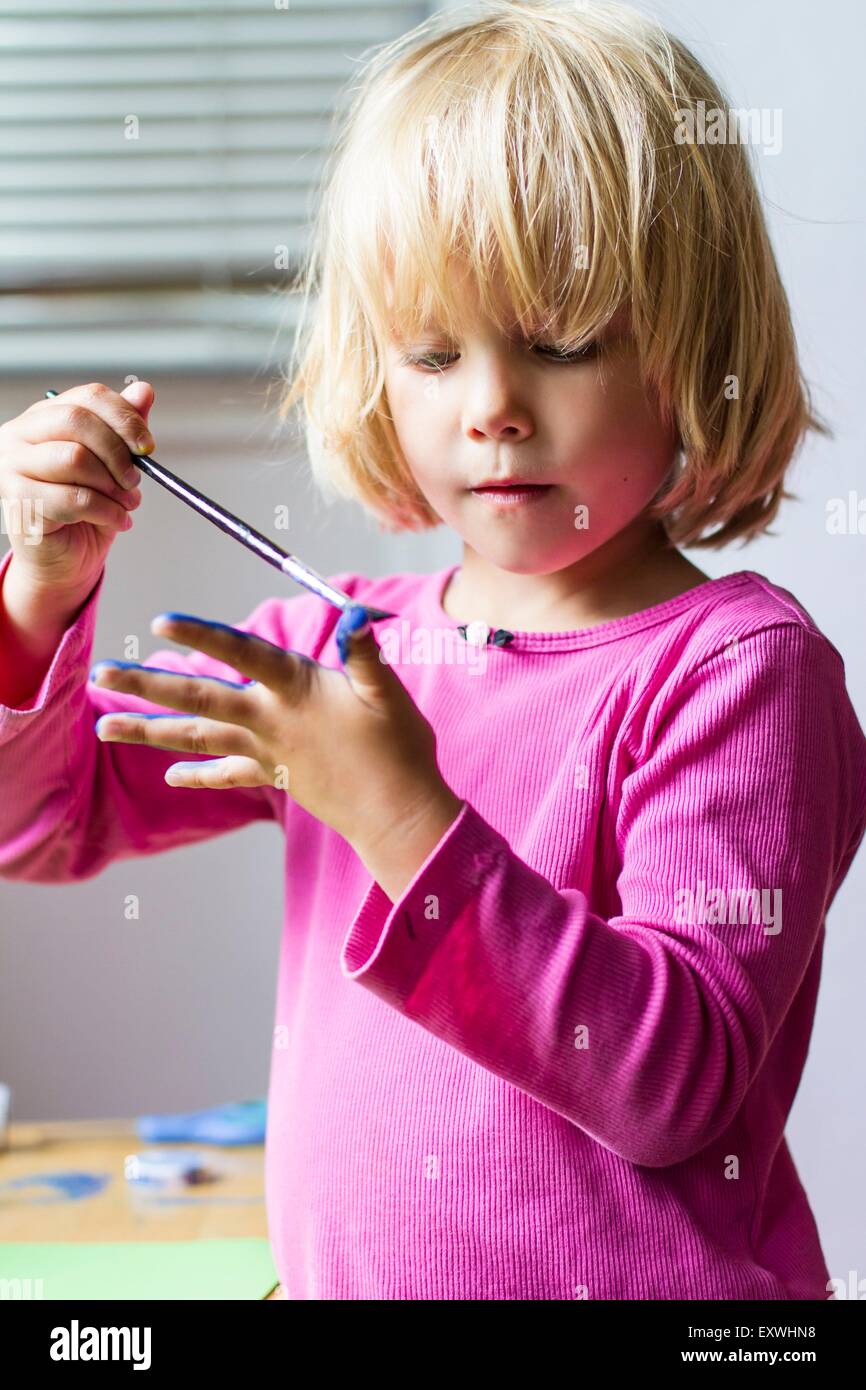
pixel 496 407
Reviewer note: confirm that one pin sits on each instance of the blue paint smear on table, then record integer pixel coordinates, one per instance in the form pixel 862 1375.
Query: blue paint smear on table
pixel 238 1122
pixel 67 1186
pixel 239 1201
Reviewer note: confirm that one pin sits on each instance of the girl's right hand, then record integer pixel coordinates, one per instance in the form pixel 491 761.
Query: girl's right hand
pixel 63 480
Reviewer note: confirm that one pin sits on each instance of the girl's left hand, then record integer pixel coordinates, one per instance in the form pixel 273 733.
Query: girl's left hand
pixel 349 746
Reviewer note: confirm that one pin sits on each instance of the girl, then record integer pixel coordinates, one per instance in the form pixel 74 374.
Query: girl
pixel 562 835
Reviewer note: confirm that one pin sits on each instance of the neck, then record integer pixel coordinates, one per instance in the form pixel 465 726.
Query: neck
pixel 615 578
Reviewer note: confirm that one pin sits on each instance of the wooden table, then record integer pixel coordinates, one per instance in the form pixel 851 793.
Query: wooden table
pixel 233 1205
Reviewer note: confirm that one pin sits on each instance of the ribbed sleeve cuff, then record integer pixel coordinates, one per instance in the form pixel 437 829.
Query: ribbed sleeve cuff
pixel 389 945
pixel 73 649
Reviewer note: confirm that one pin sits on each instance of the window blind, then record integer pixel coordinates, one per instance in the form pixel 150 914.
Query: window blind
pixel 158 162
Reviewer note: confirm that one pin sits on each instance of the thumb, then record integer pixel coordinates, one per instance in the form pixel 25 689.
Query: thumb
pixel 140 394
pixel 360 653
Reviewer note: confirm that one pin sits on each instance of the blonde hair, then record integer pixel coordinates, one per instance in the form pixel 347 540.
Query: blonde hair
pixel 539 140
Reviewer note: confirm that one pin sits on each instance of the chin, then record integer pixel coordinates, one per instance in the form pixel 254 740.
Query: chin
pixel 542 562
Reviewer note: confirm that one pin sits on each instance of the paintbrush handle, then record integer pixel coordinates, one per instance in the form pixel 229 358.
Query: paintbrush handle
pixel 247 535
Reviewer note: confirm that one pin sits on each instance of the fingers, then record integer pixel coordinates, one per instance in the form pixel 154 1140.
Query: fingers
pixel 234 764
pixel 206 697
pixel 221 773
pixel 63 461
pixel 97 418
pixel 139 394
pixel 72 483
pixel 354 622
pixel 175 732
pixel 64 503
pixel 253 656
pixel 209 697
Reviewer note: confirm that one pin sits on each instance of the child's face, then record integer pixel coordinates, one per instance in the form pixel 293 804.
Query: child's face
pixel 497 409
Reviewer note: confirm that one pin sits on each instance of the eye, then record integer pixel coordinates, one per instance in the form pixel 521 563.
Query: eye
pixel 584 354
pixel 407 359
pixel 437 361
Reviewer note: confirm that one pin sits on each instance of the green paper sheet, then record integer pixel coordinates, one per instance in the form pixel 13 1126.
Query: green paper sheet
pixel 231 1268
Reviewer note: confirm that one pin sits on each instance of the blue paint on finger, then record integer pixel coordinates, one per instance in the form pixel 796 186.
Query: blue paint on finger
pixel 130 666
pixel 98 665
pixel 134 714
pixel 137 714
pixel 202 622
pixel 353 619
pixel 161 671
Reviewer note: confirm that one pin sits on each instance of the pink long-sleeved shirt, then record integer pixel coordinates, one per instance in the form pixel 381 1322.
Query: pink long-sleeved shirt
pixel 561 1064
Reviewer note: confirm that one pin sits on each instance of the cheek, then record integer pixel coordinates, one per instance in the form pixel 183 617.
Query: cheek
pixel 419 418
pixel 634 406
pixel 610 438
pixel 613 417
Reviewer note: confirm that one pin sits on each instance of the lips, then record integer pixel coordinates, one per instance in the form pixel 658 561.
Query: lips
pixel 489 486
pixel 512 495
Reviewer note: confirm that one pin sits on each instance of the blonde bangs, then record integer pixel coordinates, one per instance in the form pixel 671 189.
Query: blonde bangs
pixel 487 177
pixel 534 144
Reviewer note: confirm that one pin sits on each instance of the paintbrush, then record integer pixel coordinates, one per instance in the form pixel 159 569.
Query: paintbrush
pixel 249 536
